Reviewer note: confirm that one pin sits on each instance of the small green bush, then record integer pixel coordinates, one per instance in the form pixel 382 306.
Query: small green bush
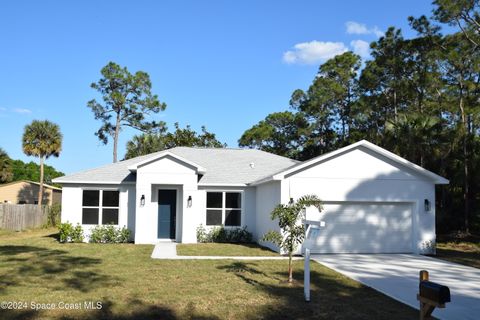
pixel 96 235
pixel 218 234
pixel 202 235
pixel 109 234
pixel 77 234
pixel 123 235
pixel 53 218
pixel 223 235
pixel 65 230
pixel 69 233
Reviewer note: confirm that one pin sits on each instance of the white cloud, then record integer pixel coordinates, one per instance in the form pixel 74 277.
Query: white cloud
pixel 361 28
pixel 379 33
pixel 360 47
pixel 313 52
pixel 356 28
pixel 22 110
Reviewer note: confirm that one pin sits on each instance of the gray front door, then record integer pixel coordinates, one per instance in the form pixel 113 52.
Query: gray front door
pixel 167 209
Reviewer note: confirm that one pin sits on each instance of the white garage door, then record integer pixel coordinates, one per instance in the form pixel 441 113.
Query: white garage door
pixel 360 227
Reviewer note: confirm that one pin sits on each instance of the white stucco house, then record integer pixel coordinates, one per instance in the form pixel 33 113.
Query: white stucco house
pixel 374 200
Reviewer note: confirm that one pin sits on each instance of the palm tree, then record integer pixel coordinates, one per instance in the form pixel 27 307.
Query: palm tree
pixel 42 139
pixel 6 174
pixel 291 226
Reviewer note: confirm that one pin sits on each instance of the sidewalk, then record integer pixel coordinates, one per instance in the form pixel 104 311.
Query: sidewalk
pixel 168 250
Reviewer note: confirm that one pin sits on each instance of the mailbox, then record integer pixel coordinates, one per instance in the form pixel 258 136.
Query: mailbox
pixel 434 292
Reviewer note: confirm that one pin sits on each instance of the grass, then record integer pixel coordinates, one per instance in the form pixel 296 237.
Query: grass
pixel 224 249
pixel 34 267
pixel 464 251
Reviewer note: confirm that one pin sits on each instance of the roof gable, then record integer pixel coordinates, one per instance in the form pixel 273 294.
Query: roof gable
pixel 199 168
pixel 391 159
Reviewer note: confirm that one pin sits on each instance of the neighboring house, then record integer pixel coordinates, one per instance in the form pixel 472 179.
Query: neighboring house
pixel 26 192
pixel 374 201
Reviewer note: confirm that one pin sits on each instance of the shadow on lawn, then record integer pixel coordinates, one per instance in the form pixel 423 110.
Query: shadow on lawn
pixel 468 258
pixel 28 264
pixel 55 236
pixel 332 297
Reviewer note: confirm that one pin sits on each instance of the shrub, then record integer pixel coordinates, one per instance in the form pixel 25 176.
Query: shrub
pixel 53 218
pixel 109 234
pixel 123 235
pixel 69 233
pixel 96 235
pixel 202 234
pixel 221 234
pixel 218 234
pixel 77 234
pixel 65 231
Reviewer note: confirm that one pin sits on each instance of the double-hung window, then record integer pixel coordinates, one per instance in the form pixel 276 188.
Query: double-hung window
pixel 100 207
pixel 224 208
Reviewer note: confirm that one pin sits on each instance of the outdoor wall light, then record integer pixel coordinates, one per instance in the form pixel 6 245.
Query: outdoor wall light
pixel 189 201
pixel 427 205
pixel 142 200
pixel 291 201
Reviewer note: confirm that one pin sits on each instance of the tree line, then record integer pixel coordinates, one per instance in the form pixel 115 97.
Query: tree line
pixel 416 97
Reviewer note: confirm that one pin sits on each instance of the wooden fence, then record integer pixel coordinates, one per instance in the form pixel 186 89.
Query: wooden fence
pixel 22 216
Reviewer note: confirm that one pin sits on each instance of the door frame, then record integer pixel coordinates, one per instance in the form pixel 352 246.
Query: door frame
pixel 178 205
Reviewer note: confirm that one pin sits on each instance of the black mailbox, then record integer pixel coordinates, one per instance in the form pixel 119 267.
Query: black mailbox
pixel 434 292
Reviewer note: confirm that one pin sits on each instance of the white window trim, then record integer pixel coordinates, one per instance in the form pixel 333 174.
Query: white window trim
pixel 223 208
pixel 100 206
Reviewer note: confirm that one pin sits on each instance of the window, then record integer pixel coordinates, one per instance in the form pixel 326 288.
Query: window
pixel 224 208
pixel 100 207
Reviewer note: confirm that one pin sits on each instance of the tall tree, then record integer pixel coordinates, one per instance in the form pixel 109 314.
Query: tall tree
pixel 383 84
pixel 462 77
pixel 463 14
pixel 42 139
pixel 127 99
pixel 329 100
pixel 281 133
pixel 186 137
pixel 6 173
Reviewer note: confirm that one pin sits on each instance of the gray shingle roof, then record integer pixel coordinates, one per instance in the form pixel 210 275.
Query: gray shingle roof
pixel 223 166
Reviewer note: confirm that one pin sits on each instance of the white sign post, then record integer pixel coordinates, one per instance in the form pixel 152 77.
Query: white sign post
pixel 306 276
pixel 311 234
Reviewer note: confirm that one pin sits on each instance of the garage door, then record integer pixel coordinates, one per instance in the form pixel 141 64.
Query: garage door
pixel 360 227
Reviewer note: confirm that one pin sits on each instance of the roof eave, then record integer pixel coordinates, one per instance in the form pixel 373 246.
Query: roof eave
pixel 91 182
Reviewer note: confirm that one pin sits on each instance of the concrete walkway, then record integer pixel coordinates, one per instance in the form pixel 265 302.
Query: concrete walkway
pixel 168 250
pixel 396 275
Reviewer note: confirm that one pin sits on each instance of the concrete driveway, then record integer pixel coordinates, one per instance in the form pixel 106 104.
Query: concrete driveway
pixel 396 275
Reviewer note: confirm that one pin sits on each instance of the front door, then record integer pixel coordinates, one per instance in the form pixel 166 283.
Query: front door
pixel 167 209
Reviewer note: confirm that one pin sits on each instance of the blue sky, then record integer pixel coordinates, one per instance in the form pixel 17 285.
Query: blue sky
pixel 222 64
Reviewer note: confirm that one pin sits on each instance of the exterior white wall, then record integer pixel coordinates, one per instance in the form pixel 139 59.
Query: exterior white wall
pixel 267 198
pixel 165 173
pixel 365 176
pixel 72 205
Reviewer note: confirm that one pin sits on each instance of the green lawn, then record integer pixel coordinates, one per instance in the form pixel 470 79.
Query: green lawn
pixel 464 251
pixel 224 249
pixel 34 267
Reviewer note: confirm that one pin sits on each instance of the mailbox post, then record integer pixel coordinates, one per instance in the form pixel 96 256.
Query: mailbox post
pixel 431 295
